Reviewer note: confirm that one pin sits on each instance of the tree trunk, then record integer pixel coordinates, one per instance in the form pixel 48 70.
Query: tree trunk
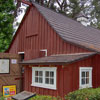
pixel 17 6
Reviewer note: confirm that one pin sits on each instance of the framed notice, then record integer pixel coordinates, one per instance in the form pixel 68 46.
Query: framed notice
pixel 4 66
pixel 9 90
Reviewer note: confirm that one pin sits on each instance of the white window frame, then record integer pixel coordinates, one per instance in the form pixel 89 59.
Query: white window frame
pixel 81 69
pixel 45 50
pixel 44 69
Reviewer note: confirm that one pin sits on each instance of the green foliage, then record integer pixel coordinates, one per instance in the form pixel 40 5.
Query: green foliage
pixel 1 97
pixel 84 94
pixel 95 13
pixel 6 23
pixel 42 97
pixel 73 8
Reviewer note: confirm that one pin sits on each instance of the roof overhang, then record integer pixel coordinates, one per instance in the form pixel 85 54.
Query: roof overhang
pixel 60 59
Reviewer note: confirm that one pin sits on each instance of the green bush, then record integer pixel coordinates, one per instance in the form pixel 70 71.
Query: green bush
pixel 42 97
pixel 1 97
pixel 84 94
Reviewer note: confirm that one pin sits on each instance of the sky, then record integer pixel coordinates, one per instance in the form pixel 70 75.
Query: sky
pixel 20 16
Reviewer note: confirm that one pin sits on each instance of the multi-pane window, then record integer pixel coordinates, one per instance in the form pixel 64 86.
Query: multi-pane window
pixel 85 77
pixel 49 77
pixel 44 77
pixel 38 76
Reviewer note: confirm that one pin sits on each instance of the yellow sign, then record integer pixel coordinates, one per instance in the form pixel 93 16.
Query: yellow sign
pixel 9 90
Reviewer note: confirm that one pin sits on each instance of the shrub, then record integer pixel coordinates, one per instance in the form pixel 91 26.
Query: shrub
pixel 42 97
pixel 84 94
pixel 1 97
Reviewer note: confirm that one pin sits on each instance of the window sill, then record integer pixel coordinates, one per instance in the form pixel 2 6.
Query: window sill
pixel 45 86
pixel 82 87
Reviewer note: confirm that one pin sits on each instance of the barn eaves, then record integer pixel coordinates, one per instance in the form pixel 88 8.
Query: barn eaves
pixel 58 59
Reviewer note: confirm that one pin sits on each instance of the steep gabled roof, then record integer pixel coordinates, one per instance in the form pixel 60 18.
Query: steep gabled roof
pixel 59 59
pixel 70 30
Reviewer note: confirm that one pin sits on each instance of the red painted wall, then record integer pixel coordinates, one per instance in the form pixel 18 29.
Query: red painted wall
pixel 35 34
pixel 67 77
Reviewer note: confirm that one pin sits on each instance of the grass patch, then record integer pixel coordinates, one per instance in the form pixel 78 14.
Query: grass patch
pixel 1 97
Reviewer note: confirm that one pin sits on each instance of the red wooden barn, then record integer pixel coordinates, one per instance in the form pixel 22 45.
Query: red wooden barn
pixel 59 54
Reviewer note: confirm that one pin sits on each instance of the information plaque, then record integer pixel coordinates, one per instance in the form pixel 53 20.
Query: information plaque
pixel 4 66
pixel 9 91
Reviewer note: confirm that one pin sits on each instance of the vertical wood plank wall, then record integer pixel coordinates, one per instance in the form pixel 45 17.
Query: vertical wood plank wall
pixel 67 77
pixel 31 38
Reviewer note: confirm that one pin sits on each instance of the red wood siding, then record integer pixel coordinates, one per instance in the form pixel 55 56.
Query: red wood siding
pixel 28 82
pixel 67 77
pixel 35 34
pixel 96 71
pixel 71 73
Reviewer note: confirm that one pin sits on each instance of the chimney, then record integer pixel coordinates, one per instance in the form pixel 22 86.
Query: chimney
pixel 82 19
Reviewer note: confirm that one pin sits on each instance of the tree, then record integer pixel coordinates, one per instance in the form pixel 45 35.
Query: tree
pixel 70 8
pixel 73 8
pixel 95 13
pixel 18 5
pixel 6 23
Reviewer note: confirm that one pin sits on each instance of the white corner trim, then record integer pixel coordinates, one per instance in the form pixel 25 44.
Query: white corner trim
pixel 45 50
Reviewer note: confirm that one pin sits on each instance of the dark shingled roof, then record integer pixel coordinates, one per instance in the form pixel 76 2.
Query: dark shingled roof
pixel 59 59
pixel 70 30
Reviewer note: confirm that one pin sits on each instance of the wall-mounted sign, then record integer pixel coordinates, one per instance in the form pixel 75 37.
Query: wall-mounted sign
pixel 14 61
pixel 9 90
pixel 4 65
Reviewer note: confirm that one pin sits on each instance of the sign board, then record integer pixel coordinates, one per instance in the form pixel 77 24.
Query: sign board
pixel 4 65
pixel 14 61
pixel 9 90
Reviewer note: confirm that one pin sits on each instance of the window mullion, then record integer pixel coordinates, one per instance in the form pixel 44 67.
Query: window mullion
pixel 43 77
pixel 90 77
pixel 49 77
pixel 85 77
pixel 33 76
